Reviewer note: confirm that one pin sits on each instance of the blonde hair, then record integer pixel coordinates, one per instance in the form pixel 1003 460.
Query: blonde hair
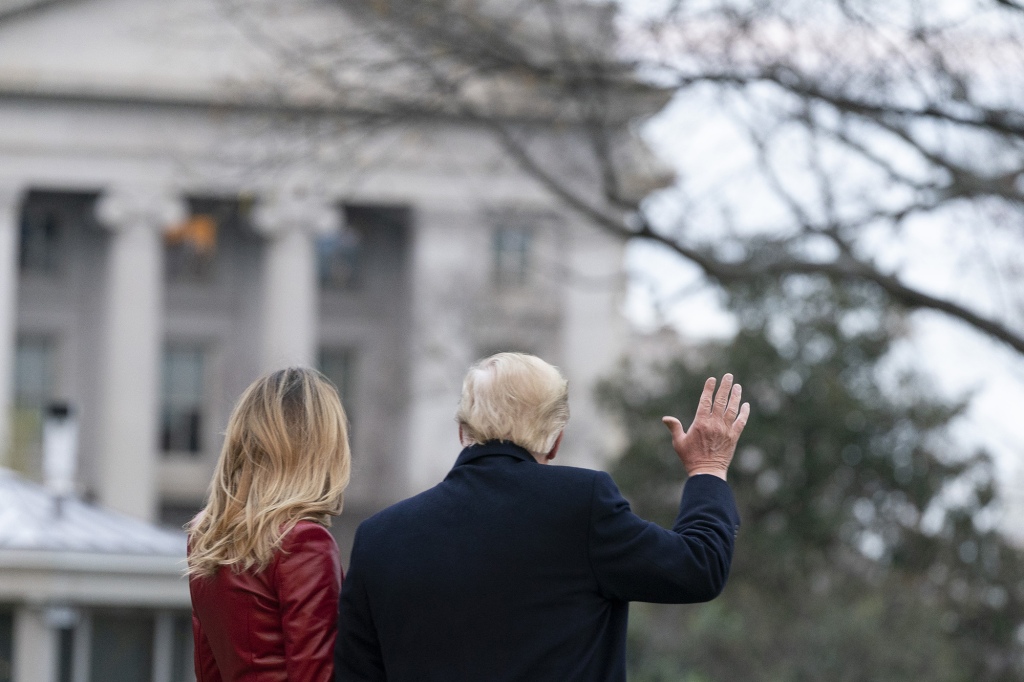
pixel 514 397
pixel 285 458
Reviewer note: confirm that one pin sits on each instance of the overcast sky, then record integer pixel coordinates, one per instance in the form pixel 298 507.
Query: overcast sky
pixel 944 255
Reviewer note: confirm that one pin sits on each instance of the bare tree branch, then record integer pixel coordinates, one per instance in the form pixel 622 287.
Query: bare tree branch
pixel 446 49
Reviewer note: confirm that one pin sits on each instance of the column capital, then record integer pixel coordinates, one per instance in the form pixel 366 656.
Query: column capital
pixel 313 214
pixel 124 208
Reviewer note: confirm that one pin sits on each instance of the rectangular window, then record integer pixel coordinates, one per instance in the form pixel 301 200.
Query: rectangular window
pixel 338 259
pixel 49 220
pixel 6 645
pixel 337 364
pixel 194 247
pixel 122 646
pixel 512 256
pixel 65 655
pixel 33 371
pixel 33 390
pixel 181 399
pixel 43 231
pixel 181 649
pixel 190 248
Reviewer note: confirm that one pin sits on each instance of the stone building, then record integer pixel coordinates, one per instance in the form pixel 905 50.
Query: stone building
pixel 89 594
pixel 180 211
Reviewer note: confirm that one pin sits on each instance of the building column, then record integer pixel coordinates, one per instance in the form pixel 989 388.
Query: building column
pixel 132 342
pixel 10 208
pixel 35 646
pixel 290 225
pixel 593 340
pixel 441 339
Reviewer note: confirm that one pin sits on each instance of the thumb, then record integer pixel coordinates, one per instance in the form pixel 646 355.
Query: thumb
pixel 674 426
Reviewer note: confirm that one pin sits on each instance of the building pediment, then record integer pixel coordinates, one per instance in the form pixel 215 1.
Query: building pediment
pixel 189 50
pixel 290 53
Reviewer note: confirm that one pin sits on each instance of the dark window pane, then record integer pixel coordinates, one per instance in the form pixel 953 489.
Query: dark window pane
pixel 191 247
pixel 42 231
pixel 122 647
pixel 65 654
pixel 48 221
pixel 338 259
pixel 194 248
pixel 181 413
pixel 512 247
pixel 181 664
pixel 337 365
pixel 6 645
pixel 176 515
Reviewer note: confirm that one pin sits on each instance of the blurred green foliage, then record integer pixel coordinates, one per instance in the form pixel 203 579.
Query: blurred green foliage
pixel 868 549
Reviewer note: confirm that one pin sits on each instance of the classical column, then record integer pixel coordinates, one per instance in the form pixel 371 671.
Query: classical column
pixel 35 646
pixel 290 225
pixel 448 257
pixel 593 339
pixel 10 205
pixel 132 341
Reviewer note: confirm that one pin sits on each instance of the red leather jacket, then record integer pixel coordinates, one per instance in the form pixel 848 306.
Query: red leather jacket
pixel 277 625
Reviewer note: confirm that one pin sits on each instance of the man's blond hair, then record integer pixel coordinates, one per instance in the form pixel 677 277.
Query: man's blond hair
pixel 514 397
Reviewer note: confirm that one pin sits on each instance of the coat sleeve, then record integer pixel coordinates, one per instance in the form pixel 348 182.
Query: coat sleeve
pixel 636 560
pixel 205 664
pixel 357 654
pixel 308 581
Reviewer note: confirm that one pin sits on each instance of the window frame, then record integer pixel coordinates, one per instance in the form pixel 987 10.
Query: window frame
pixel 201 404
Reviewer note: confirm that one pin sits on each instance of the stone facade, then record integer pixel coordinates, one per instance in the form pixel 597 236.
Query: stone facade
pixel 170 229
pixel 163 216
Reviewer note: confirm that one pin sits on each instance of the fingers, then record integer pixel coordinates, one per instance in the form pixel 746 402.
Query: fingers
pixel 675 426
pixel 734 403
pixel 722 397
pixel 741 420
pixel 704 407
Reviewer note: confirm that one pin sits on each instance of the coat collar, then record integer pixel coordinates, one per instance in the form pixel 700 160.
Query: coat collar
pixel 493 448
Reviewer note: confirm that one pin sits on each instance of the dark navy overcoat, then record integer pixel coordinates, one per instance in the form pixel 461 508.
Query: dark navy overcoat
pixel 510 570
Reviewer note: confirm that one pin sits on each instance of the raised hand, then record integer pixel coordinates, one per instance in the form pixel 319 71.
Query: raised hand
pixel 708 445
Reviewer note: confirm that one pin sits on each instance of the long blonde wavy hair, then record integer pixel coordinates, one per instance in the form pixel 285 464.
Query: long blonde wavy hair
pixel 285 458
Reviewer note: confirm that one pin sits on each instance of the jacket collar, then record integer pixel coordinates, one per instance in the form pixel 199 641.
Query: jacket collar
pixel 494 448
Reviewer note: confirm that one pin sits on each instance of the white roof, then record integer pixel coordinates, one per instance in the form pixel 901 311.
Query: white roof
pixel 29 521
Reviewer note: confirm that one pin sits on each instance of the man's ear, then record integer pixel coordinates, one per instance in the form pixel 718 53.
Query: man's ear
pixel 554 448
pixel 461 441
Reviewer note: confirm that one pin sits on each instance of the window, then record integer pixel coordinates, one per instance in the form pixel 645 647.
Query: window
pixel 175 515
pixel 181 649
pixel 181 413
pixel 512 247
pixel 42 236
pixel 33 373
pixel 48 221
pixel 6 645
pixel 122 646
pixel 190 248
pixel 338 259
pixel 40 242
pixel 488 351
pixel 337 365
pixel 65 654
pixel 33 391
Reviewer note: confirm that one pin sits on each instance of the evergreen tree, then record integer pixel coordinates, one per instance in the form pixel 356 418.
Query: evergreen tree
pixel 868 549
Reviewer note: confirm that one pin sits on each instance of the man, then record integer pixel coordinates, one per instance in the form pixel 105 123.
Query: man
pixel 509 570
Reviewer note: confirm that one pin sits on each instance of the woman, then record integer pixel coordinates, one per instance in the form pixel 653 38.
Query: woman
pixel 264 573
